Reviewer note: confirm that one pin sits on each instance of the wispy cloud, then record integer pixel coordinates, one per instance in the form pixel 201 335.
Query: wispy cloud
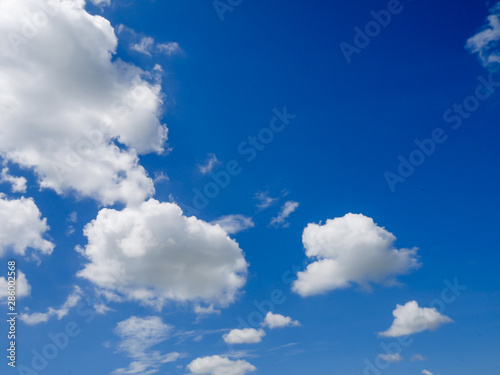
pixel 209 164
pixel 233 224
pixel 288 208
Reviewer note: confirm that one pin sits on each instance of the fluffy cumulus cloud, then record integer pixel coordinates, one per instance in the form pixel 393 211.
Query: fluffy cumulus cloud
pixel 217 365
pixel 59 313
pixel 410 318
pixel 234 223
pixel 244 336
pixel 137 336
pixel 351 249
pixel 23 288
pixel 82 117
pixel 486 42
pixel 162 255
pixel 279 321
pixel 288 208
pixel 22 227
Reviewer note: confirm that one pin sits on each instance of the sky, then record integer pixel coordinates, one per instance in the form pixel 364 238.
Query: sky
pixel 239 187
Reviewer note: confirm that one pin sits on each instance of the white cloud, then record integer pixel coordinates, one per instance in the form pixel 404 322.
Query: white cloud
pixel 233 224
pixel 209 164
pixel 393 358
pixel 162 255
pixel 265 200
pixel 411 318
pixel 101 2
pixel 288 208
pixel 279 321
pixel 217 365
pixel 244 336
pixel 138 335
pixel 425 372
pixel 61 312
pixel 71 102
pixel 169 49
pixel 417 357
pixel 23 288
pixel 485 43
pixel 22 227
pixel 147 46
pixel 18 183
pixel 206 310
pixel 351 249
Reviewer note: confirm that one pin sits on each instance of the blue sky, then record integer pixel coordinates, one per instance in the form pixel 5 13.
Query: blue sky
pixel 345 192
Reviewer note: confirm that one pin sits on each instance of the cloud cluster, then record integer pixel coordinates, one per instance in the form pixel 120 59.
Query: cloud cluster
pixel 137 336
pixel 217 365
pixel 162 255
pixel 410 319
pixel 351 249
pixel 22 227
pixel 82 117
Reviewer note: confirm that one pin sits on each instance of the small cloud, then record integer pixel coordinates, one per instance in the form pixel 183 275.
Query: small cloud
pixel 287 209
pixel 219 365
pixel 23 288
pixel 233 224
pixel 209 164
pixel 168 49
pixel 279 321
pixel 244 336
pixel 426 372
pixel 417 357
pixel 411 318
pixel 160 177
pixel 393 358
pixel 487 41
pixel 18 183
pixel 265 200
pixel 61 312
pixel 206 310
pixel 145 46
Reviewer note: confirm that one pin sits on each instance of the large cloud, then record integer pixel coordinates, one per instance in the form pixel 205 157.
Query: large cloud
pixel 163 255
pixel 22 227
pixel 410 318
pixel 217 365
pixel 81 117
pixel 351 249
